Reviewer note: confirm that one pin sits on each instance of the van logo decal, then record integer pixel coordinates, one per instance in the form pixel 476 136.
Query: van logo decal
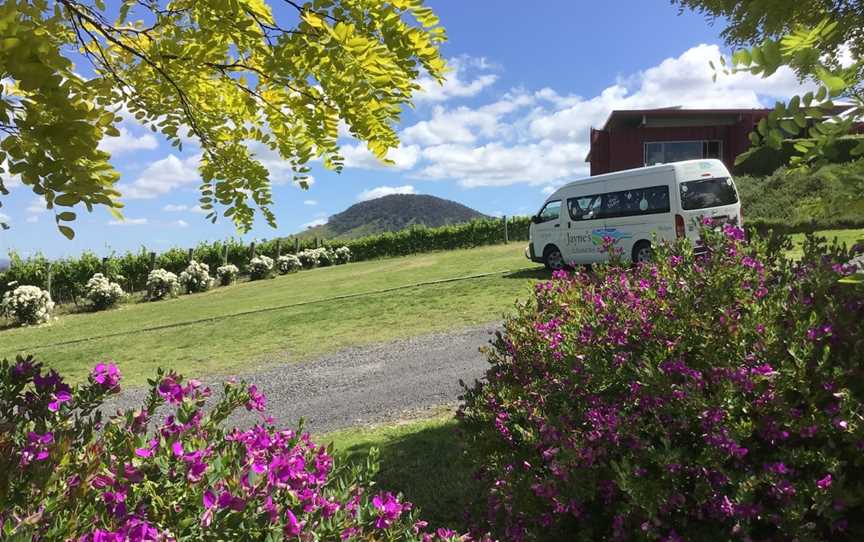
pixel 616 235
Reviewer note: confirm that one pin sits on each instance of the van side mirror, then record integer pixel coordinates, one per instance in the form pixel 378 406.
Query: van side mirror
pixel 536 219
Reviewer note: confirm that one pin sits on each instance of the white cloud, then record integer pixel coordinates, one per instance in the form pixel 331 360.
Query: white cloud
pixel 358 156
pixel 316 222
pixel 682 81
pixel 129 222
pixel 495 164
pixel 5 218
pixel 456 85
pixel 542 137
pixel 36 206
pixel 183 208
pixel 181 224
pixel 126 142
pixel 163 176
pixel 310 202
pixel 381 191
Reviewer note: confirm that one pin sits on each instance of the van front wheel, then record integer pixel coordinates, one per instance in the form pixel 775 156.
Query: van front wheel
pixel 553 259
pixel 642 252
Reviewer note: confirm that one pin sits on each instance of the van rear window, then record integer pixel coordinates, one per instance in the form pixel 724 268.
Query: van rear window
pixel 707 193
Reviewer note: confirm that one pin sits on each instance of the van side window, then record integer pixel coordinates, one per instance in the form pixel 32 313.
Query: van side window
pixel 584 207
pixel 637 201
pixel 551 211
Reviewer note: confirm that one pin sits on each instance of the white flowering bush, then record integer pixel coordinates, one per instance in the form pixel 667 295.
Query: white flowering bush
pixel 102 293
pixel 162 284
pixel 27 305
pixel 261 267
pixel 227 274
pixel 342 255
pixel 196 277
pixel 288 264
pixel 316 257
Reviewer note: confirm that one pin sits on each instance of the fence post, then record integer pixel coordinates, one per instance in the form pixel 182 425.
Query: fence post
pixel 252 250
pixel 225 255
pixel 191 250
pixel 105 266
pixel 278 248
pixel 48 282
pixel 296 245
pixel 152 267
pixel 316 242
pixel 506 233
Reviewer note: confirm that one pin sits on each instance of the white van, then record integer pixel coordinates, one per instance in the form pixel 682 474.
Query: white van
pixel 632 207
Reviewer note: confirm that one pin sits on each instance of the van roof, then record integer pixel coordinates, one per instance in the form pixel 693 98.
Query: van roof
pixel 642 170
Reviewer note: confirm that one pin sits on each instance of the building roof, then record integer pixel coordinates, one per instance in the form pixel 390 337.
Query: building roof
pixel 623 117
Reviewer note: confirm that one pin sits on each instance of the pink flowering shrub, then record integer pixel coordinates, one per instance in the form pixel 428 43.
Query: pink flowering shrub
pixel 68 473
pixel 710 397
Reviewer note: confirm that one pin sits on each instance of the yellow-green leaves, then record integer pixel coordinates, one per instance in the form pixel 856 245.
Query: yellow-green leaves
pixel 813 117
pixel 230 76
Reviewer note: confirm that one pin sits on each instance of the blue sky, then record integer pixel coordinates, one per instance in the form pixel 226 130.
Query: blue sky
pixel 512 122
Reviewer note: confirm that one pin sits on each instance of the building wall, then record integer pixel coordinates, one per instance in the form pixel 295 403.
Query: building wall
pixel 624 148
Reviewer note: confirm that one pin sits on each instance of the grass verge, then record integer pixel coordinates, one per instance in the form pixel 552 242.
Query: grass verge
pixel 234 344
pixel 422 459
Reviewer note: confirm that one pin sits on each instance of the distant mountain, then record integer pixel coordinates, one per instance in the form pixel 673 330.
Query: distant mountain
pixel 392 213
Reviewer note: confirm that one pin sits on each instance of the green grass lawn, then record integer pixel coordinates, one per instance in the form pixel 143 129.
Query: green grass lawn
pixel 239 343
pixel 423 459
pixel 848 237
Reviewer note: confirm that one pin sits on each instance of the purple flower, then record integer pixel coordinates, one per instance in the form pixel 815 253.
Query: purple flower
pixel 227 500
pixel 170 389
pixel 825 482
pixel 37 448
pixel 58 399
pixel 389 509
pixel 107 376
pixel 257 400
pixel 292 526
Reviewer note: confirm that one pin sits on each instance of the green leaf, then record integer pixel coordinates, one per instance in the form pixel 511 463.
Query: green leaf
pixel 67 200
pixel 66 216
pixel 67 232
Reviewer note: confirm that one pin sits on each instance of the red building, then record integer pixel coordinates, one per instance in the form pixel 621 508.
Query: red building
pixel 637 138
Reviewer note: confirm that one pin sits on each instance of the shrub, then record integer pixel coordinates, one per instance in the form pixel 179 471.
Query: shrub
pixel 288 264
pixel 196 277
pixel 102 293
pixel 342 255
pixel 227 274
pixel 315 257
pixel 68 476
pixel 261 267
pixel 703 398
pixel 27 305
pixel 161 284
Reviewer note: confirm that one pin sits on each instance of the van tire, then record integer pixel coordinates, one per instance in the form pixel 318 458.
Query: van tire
pixel 553 259
pixel 642 253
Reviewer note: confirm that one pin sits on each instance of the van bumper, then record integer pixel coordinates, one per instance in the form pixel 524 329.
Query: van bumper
pixel 529 253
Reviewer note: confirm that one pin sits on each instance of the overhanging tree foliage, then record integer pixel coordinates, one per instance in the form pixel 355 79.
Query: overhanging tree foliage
pixel 227 74
pixel 823 42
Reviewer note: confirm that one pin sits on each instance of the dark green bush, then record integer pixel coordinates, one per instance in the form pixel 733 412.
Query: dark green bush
pixel 799 201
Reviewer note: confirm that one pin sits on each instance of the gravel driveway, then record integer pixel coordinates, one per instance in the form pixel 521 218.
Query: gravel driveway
pixel 362 385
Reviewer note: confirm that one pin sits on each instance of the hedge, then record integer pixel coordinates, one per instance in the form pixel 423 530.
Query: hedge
pixel 68 276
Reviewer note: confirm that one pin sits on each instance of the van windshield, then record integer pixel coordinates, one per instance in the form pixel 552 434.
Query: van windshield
pixel 706 193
